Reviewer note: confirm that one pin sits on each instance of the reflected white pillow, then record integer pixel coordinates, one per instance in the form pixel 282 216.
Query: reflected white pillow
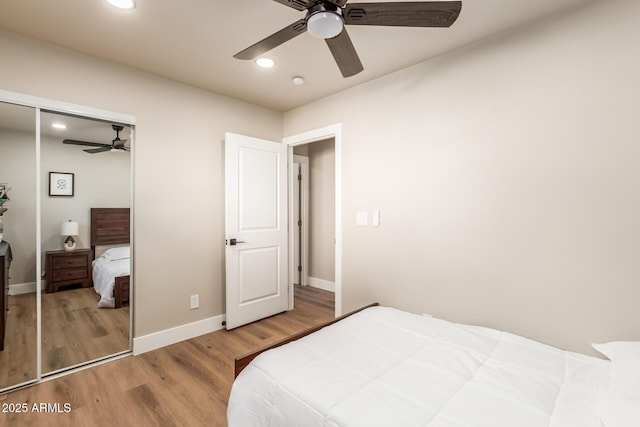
pixel 117 253
pixel 625 366
pixel 616 410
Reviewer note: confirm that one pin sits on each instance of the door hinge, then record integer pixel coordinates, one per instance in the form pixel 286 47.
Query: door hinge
pixel 299 177
pixel 299 268
pixel 299 223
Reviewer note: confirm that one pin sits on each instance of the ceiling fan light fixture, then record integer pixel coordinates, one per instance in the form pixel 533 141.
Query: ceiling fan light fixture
pixel 123 4
pixel 325 24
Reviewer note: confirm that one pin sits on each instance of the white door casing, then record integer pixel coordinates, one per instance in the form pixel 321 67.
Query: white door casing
pixel 256 218
pixel 331 131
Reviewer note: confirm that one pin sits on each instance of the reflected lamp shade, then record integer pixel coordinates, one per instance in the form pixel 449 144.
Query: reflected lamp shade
pixel 68 230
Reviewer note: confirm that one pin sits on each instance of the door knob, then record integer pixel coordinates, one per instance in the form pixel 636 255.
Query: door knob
pixel 233 242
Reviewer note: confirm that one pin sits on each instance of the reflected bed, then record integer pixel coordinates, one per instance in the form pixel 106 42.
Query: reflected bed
pixel 111 271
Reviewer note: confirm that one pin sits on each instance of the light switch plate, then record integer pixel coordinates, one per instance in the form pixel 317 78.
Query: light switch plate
pixel 375 218
pixel 362 218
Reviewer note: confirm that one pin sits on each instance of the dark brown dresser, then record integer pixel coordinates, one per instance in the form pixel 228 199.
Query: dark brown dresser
pixel 5 262
pixel 68 268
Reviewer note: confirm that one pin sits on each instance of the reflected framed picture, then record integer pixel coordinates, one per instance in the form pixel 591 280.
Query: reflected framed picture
pixel 61 184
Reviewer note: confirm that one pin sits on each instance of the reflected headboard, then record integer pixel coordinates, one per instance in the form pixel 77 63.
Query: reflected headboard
pixel 109 226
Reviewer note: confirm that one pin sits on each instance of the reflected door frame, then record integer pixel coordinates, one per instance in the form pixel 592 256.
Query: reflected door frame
pixel 55 106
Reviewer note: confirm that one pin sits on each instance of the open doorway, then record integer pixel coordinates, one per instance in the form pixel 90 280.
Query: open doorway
pixel 315 213
pixel 313 198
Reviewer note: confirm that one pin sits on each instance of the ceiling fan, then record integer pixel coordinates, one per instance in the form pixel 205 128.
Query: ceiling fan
pixel 326 19
pixel 117 145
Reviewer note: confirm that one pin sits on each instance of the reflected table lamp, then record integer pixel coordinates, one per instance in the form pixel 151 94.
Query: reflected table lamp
pixel 69 229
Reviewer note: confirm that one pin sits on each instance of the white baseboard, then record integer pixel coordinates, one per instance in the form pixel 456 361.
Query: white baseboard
pixel 179 333
pixel 321 284
pixel 23 288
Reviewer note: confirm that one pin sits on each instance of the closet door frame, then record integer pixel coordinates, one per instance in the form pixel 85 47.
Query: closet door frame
pixel 50 105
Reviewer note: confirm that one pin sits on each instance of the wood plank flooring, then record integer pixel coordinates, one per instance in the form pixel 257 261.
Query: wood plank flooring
pixel 185 384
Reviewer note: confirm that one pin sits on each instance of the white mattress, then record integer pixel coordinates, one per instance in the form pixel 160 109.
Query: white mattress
pixel 105 271
pixel 384 367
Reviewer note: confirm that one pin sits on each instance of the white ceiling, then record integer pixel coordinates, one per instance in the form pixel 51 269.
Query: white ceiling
pixel 193 41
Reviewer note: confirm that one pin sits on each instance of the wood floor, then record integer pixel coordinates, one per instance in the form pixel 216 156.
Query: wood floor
pixel 185 384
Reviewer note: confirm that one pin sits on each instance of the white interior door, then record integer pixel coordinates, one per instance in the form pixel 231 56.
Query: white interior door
pixel 256 229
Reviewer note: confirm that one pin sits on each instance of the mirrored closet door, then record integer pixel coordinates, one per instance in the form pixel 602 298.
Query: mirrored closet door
pixel 18 336
pixel 65 257
pixel 85 168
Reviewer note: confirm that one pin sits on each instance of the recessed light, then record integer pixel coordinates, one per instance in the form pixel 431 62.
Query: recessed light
pixel 58 125
pixel 123 4
pixel 265 62
pixel 297 80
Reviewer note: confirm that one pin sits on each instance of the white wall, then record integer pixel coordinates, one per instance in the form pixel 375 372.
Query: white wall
pixel 178 161
pixel 507 176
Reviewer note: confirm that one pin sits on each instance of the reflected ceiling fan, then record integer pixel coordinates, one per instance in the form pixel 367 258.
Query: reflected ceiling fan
pixel 117 145
pixel 326 19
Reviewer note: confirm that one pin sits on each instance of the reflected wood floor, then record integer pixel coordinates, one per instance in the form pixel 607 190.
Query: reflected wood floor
pixel 74 331
pixel 18 360
pixel 185 384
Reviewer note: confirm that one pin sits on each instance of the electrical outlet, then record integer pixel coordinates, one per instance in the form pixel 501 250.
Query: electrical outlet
pixel 195 301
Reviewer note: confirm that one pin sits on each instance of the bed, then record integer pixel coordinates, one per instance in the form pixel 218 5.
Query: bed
pixel 385 367
pixel 111 270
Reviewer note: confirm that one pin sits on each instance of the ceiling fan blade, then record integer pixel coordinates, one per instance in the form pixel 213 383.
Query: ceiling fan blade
pixel 97 150
pixel 403 14
pixel 274 40
pixel 345 54
pixel 89 144
pixel 295 4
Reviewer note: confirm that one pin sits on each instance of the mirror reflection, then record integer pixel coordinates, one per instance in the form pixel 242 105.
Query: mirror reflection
pixel 85 172
pixel 18 342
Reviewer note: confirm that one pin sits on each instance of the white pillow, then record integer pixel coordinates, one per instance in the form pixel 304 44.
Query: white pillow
pixel 625 366
pixel 616 410
pixel 117 253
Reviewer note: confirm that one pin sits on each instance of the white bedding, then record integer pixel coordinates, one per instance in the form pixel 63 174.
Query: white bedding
pixel 111 264
pixel 384 367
